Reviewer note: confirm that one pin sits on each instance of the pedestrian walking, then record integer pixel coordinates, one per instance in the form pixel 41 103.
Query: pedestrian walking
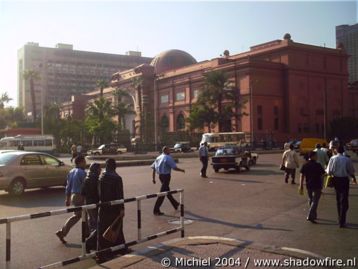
pixel 73 152
pixel 163 165
pixel 110 188
pixel 290 162
pixel 313 173
pixel 204 158
pixel 322 157
pixel 75 180
pixel 341 168
pixel 79 149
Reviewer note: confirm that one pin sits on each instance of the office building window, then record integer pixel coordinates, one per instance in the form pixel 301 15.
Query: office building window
pixel 180 96
pixel 196 93
pixel 180 122
pixel 259 123
pixel 276 125
pixel 259 110
pixel 275 111
pixel 164 99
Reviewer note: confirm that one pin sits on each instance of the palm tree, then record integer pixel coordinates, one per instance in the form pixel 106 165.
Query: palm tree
pixel 121 109
pixel 215 85
pixel 4 99
pixel 32 75
pixel 102 83
pixel 99 119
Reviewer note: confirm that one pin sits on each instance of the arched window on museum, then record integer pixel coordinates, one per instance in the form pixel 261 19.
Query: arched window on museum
pixel 180 122
pixel 164 123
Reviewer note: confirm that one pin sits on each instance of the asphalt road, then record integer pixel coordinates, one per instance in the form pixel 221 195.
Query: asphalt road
pixel 255 206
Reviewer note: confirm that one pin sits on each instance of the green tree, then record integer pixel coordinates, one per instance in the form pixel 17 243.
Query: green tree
pixel 99 120
pixel 53 124
pixel 31 76
pixel 218 102
pixel 102 83
pixel 4 99
pixel 201 114
pixel 345 128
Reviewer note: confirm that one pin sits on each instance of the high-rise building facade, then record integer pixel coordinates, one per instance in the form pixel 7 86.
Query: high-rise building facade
pixel 347 35
pixel 64 72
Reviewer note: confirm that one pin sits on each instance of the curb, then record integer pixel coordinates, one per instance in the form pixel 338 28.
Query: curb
pixel 157 249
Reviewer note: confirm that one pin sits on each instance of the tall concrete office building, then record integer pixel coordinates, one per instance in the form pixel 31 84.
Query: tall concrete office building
pixel 347 35
pixel 64 72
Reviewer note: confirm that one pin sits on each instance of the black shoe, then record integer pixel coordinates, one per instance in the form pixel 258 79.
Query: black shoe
pixel 158 213
pixel 312 221
pixel 61 237
pixel 293 183
pixel 342 226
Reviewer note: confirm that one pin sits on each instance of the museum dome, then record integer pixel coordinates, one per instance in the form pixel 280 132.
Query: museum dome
pixel 171 59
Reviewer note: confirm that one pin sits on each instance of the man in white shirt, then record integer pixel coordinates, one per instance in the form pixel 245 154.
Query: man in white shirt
pixel 341 168
pixel 322 157
pixel 290 161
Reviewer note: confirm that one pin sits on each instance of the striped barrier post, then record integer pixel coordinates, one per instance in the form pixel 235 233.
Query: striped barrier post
pixel 84 230
pixel 181 197
pixel 139 219
pixel 8 242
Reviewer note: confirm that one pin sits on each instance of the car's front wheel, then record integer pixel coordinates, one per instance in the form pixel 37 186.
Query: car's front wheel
pixel 17 187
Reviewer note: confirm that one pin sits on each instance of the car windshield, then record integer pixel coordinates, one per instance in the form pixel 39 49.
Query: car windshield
pixel 101 146
pixel 177 145
pixel 228 151
pixel 5 158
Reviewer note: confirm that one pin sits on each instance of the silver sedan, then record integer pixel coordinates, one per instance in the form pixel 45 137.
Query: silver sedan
pixel 20 170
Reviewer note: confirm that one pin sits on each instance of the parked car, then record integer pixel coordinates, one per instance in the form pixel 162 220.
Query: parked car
pixel 353 145
pixel 20 170
pixel 108 149
pixel 233 157
pixel 182 147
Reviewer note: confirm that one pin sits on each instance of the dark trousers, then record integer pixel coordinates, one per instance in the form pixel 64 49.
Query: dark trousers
pixel 341 185
pixel 290 172
pixel 314 195
pixel 204 161
pixel 165 180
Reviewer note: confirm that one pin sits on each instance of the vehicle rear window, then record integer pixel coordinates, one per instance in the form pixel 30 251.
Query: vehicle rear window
pixel 5 158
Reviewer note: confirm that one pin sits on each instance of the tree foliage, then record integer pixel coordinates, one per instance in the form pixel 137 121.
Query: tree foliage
pixel 99 120
pixel 345 128
pixel 217 103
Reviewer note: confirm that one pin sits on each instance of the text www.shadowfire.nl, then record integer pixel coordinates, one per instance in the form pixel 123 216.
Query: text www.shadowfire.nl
pixel 259 263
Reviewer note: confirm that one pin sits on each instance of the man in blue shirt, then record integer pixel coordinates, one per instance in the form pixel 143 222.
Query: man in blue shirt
pixel 75 179
pixel 341 168
pixel 163 166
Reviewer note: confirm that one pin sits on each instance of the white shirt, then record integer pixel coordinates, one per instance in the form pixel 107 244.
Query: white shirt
pixel 290 159
pixel 340 166
pixel 203 151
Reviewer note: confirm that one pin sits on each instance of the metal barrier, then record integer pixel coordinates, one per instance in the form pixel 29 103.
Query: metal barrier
pixel 83 208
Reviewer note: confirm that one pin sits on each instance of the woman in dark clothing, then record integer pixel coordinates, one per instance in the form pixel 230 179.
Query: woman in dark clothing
pixel 110 188
pixel 90 192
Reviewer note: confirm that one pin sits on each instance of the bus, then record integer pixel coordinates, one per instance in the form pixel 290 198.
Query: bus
pixel 42 143
pixel 216 140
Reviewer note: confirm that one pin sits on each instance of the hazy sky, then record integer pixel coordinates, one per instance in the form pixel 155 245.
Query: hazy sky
pixel 204 29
